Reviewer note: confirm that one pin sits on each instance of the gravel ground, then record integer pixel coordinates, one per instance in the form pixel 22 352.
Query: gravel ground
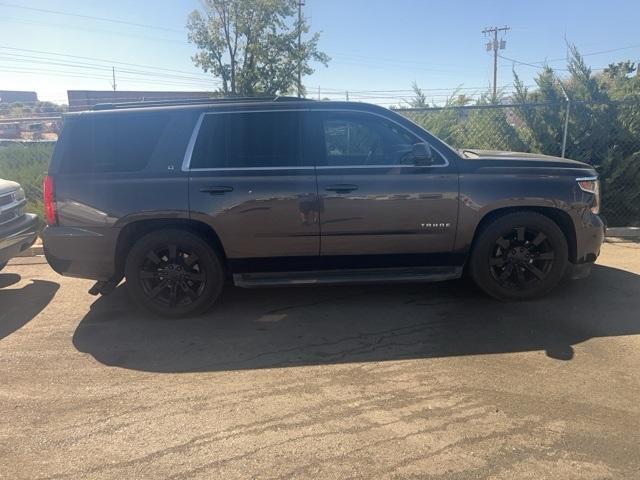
pixel 405 381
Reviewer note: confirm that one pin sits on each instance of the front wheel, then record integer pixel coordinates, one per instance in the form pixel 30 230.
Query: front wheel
pixel 173 273
pixel 519 256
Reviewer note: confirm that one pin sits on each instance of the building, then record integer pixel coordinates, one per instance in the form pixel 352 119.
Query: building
pixel 10 130
pixel 16 96
pixel 87 99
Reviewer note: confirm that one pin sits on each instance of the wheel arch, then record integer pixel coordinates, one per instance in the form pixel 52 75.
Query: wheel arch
pixel 134 230
pixel 558 216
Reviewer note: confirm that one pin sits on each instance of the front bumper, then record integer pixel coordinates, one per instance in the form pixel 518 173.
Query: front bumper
pixel 577 271
pixel 589 238
pixel 17 236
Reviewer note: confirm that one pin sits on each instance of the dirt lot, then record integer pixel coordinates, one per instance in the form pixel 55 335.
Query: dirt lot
pixel 409 381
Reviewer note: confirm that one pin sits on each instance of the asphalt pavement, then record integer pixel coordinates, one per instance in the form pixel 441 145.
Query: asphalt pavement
pixel 403 381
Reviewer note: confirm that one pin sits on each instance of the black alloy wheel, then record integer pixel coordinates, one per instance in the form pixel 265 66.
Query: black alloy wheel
pixel 519 256
pixel 173 273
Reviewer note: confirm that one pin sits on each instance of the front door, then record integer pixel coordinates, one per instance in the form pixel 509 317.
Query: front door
pixel 250 182
pixel 375 199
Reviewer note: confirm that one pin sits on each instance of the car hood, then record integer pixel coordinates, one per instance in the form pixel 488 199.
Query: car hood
pixel 517 158
pixel 6 186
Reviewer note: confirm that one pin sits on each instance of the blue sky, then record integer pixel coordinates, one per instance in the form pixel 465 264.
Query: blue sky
pixel 374 44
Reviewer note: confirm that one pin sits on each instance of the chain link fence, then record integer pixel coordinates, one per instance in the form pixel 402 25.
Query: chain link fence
pixel 605 135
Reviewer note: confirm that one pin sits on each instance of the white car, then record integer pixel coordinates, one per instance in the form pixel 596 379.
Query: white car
pixel 18 229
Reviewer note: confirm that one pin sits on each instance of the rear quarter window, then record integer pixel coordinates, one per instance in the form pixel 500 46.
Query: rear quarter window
pixel 117 142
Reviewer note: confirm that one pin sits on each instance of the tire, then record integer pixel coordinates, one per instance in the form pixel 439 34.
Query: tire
pixel 173 273
pixel 519 256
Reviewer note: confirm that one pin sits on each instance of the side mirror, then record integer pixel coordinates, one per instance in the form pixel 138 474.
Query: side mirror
pixel 423 154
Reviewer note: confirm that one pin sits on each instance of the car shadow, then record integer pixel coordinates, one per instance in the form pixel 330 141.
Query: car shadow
pixel 268 328
pixel 8 279
pixel 18 306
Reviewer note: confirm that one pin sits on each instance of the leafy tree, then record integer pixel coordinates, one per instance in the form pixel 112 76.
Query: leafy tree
pixel 490 128
pixel 623 85
pixel 443 122
pixel 543 123
pixel 252 45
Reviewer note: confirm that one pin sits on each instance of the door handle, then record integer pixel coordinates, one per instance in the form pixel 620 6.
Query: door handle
pixel 341 188
pixel 216 189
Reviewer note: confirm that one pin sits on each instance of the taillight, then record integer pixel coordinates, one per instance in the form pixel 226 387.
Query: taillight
pixel 49 201
pixel 591 185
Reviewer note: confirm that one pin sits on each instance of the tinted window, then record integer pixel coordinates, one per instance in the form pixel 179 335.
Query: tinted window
pixel 248 140
pixel 114 143
pixel 361 139
pixel 210 150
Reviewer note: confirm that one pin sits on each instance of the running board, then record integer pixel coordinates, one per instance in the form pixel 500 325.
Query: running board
pixel 338 277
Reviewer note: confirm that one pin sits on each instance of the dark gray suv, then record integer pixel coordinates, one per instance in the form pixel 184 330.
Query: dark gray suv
pixel 179 198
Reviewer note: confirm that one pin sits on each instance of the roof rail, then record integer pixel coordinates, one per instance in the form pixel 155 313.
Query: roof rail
pixel 194 101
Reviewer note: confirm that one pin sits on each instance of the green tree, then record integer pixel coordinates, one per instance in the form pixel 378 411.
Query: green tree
pixel 252 45
pixel 542 121
pixel 604 127
pixel 441 121
pixel 419 99
pixel 488 127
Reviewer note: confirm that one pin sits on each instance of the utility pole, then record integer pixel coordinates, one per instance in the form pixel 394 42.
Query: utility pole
pixel 113 83
pixel 495 46
pixel 300 5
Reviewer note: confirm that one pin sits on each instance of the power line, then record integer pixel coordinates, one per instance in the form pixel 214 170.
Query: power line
pixel 92 30
pixel 544 66
pixel 58 73
pixel 109 62
pixel 16 58
pixel 89 17
pixel 564 59
pixel 151 78
pixel 526 63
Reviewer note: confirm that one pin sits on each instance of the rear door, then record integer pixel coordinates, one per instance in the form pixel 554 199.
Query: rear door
pixel 249 180
pixel 375 198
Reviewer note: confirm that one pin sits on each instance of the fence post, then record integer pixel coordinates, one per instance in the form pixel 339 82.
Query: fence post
pixel 566 119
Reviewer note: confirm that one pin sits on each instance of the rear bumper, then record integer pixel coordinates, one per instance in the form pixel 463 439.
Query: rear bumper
pixel 82 253
pixel 17 236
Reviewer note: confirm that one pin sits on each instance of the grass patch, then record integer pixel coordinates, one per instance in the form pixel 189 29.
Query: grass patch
pixel 27 164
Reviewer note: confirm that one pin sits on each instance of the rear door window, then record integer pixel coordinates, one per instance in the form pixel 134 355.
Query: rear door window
pixel 248 140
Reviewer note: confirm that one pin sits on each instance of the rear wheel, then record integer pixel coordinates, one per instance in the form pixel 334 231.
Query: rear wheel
pixel 519 256
pixel 173 273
